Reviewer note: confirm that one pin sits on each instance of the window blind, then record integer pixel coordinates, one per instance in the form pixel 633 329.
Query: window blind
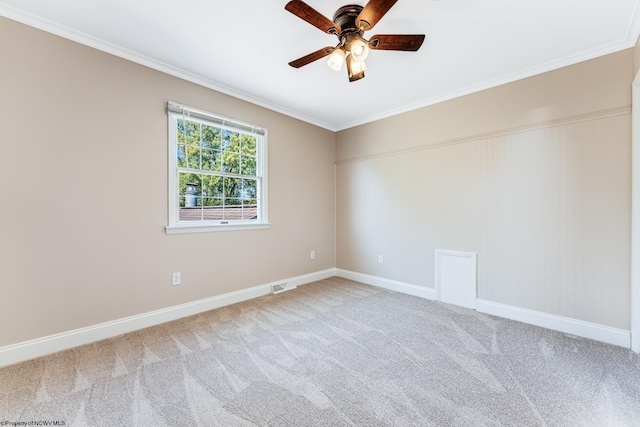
pixel 232 124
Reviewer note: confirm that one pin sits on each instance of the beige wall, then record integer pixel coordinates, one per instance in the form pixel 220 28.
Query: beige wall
pixel 83 177
pixel 534 176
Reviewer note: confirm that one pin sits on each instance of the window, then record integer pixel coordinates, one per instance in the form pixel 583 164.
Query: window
pixel 217 172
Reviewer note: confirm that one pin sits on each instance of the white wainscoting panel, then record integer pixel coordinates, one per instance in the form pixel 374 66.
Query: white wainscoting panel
pixel 547 210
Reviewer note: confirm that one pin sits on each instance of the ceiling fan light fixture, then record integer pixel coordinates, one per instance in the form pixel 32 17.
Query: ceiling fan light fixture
pixel 336 59
pixel 356 66
pixel 355 69
pixel 359 50
pixel 349 24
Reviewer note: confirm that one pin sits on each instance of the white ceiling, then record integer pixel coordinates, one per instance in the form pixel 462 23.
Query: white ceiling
pixel 242 48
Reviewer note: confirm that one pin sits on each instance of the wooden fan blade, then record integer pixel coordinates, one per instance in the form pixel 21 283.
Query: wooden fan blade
pixel 406 42
pixel 308 59
pixel 373 12
pixel 312 16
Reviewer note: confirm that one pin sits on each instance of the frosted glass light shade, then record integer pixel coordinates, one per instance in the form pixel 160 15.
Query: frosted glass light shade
pixel 336 59
pixel 359 50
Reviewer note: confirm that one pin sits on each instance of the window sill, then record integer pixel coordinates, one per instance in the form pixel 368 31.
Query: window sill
pixel 192 228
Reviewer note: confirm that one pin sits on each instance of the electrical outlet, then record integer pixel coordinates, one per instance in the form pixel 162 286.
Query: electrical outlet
pixel 312 255
pixel 380 259
pixel 175 279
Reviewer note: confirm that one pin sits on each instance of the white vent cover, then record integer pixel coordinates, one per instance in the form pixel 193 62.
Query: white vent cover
pixel 456 280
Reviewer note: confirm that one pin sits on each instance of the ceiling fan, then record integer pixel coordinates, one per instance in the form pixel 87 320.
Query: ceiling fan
pixel 349 24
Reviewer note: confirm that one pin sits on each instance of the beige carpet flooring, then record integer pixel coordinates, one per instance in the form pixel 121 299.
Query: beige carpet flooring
pixel 331 353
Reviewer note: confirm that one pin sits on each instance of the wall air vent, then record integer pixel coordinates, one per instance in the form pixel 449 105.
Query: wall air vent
pixel 281 287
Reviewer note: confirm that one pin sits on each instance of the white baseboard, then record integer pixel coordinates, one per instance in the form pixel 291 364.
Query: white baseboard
pixel 27 350
pixel 393 285
pixel 594 331
pixel 16 353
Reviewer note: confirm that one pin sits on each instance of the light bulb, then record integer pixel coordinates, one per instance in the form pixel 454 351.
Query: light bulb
pixel 336 59
pixel 359 50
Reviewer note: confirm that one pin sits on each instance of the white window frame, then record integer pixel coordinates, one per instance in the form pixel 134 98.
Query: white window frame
pixel 177 111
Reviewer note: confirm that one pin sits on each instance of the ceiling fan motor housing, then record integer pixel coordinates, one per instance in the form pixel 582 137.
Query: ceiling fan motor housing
pixel 346 16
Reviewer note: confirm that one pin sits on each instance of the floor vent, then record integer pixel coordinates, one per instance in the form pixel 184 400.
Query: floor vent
pixel 281 287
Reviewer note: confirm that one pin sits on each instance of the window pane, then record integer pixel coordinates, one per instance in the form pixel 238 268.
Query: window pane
pixel 212 201
pixel 189 183
pixel 217 161
pixel 188 199
pixel 192 159
pixel 231 163
pixel 210 159
pixel 248 165
pixel 250 188
pixel 210 137
pixel 231 142
pixel 230 201
pixel 248 145
pixel 232 187
pixel 225 139
pixel 180 131
pixel 250 211
pixel 191 131
pixel 190 214
pixel 182 157
pixel 212 186
pixel 212 209
pixel 233 212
